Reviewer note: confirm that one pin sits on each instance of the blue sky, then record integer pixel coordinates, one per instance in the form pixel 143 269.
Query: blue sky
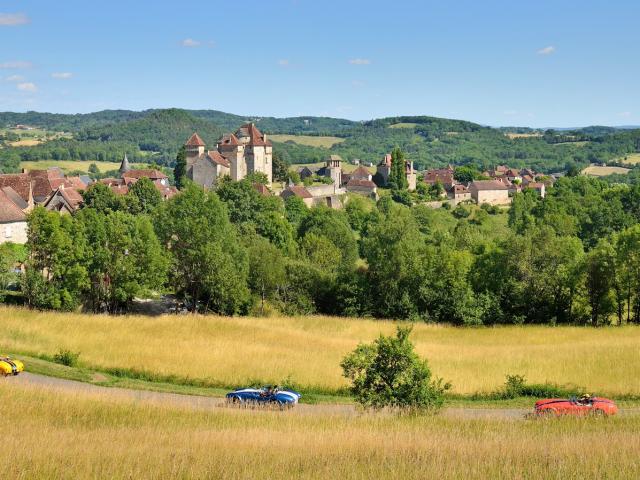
pixel 543 63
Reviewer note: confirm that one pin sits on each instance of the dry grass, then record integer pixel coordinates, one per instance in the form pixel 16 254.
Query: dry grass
pixel 233 351
pixel 71 165
pixel 512 135
pixel 51 434
pixel 597 171
pixel 309 140
pixel 404 125
pixel 26 143
pixel 631 159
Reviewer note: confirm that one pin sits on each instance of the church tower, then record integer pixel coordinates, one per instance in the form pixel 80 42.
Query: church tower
pixel 124 166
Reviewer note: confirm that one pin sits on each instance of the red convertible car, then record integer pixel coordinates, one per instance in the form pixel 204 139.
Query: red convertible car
pixel 576 406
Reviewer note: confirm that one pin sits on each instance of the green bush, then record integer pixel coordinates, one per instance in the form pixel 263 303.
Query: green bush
pixel 66 357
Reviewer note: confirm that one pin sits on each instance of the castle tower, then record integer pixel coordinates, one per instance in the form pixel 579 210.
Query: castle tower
pixel 333 169
pixel 124 166
pixel 194 148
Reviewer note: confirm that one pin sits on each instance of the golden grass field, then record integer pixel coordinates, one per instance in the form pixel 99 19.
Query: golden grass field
pixel 309 140
pixel 631 159
pixel 597 171
pixel 234 351
pixel 52 434
pixel 71 165
pixel 404 125
pixel 512 135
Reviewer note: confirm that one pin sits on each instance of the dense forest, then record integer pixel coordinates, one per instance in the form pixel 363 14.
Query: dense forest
pixel 156 135
pixel 572 257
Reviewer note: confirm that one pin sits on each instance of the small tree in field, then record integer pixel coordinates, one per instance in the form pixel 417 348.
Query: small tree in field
pixel 388 373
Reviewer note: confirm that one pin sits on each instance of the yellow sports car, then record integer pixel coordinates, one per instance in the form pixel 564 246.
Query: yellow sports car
pixel 9 366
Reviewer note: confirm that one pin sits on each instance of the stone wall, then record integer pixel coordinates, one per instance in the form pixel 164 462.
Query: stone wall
pixel 15 232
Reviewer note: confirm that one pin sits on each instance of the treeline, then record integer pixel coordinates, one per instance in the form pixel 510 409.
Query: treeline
pixel 571 258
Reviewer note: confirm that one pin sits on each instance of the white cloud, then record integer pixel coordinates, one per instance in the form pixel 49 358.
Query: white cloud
pixel 284 62
pixel 14 78
pixel 190 43
pixel 13 19
pixel 359 61
pixel 18 64
pixel 27 87
pixel 547 50
pixel 62 75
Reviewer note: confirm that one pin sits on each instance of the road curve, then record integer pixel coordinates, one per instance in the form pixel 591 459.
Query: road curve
pixel 195 402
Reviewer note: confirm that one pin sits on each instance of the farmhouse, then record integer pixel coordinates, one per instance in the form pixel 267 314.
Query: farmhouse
pixel 64 200
pixel 237 154
pixel 442 175
pixel 13 216
pixel 492 192
pixel 300 192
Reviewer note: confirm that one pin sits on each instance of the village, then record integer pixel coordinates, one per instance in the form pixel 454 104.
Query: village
pixel 248 152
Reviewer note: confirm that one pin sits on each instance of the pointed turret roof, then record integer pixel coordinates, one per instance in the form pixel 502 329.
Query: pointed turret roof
pixel 124 166
pixel 194 141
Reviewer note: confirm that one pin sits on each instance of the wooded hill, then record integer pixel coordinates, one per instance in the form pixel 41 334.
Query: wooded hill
pixel 155 135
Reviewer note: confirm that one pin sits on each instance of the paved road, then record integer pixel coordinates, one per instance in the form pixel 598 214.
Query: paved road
pixel 208 403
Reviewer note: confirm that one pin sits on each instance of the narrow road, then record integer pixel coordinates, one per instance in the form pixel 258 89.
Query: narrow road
pixel 195 402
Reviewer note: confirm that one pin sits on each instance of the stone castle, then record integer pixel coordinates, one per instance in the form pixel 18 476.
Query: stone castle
pixel 237 155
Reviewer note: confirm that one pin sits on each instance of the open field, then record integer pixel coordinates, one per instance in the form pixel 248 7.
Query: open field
pixel 404 125
pixel 631 159
pixel 309 140
pixel 57 435
pixel 597 171
pixel 71 165
pixel 512 135
pixel 224 352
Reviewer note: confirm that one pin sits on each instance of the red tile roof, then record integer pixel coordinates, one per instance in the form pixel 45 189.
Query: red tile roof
pixel 9 211
pixel 216 157
pixel 153 174
pixel 19 182
pixel 194 141
pixel 487 185
pixel 228 140
pixel 256 137
pixel 354 182
pixel 360 173
pixel 299 191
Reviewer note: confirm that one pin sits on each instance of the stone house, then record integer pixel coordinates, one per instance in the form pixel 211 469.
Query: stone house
pixel 205 168
pixel 492 192
pixel 363 187
pixel 458 193
pixel 538 187
pixel 442 175
pixel 13 216
pixel 300 192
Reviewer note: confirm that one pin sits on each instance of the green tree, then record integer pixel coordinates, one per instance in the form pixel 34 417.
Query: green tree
pixel 55 276
pixel 93 170
pixel 180 169
pixel 389 373
pixel 397 176
pixel 143 196
pixel 280 168
pixel 600 271
pixel 209 263
pixel 101 198
pixel 295 210
pixel 266 269
pixel 126 260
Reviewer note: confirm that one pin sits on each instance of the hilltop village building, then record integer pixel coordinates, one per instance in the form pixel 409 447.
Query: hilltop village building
pixel 501 184
pixel 236 154
pixel 384 170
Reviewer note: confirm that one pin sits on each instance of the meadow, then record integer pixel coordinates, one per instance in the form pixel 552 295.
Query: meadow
pixel 598 171
pixel 228 352
pixel 54 434
pixel 308 140
pixel 72 165
pixel 631 159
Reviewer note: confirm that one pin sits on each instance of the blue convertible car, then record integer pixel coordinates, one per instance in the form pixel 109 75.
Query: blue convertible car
pixel 266 396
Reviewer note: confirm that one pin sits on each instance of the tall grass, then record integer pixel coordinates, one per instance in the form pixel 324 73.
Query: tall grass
pixel 307 350
pixel 49 434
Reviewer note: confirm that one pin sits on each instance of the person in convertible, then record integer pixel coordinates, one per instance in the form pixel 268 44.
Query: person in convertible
pixel 584 400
